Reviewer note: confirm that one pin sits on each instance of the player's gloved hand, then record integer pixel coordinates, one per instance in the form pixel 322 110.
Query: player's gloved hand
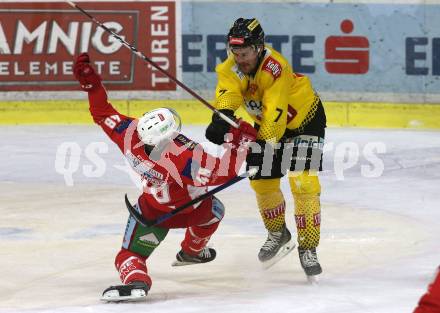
pixel 243 136
pixel 219 127
pixel 256 156
pixel 84 73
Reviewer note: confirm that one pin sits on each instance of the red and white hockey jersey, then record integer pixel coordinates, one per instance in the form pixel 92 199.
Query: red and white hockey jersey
pixel 173 176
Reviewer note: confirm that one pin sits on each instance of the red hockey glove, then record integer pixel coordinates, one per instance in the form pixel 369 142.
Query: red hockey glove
pixel 85 74
pixel 243 136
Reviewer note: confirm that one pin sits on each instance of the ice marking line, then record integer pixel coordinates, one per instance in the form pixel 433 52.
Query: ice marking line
pixel 14 232
pixel 97 231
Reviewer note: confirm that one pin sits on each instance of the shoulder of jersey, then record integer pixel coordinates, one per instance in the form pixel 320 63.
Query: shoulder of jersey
pixel 230 69
pixel 182 140
pixel 273 63
pixel 225 65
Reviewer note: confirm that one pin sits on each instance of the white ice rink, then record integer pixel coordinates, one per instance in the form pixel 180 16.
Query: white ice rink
pixel 379 246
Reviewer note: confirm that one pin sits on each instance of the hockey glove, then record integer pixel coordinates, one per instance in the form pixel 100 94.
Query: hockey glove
pixel 255 159
pixel 243 136
pixel 218 128
pixel 85 74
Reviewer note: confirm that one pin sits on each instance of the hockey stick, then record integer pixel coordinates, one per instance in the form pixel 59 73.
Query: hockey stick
pixel 141 220
pixel 154 64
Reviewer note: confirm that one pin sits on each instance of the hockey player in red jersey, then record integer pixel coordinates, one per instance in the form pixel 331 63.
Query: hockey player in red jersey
pixel 430 301
pixel 174 170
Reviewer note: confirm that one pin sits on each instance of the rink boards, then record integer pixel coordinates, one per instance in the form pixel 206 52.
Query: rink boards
pixel 339 114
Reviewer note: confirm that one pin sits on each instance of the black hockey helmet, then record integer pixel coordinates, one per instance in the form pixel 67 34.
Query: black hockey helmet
pixel 245 32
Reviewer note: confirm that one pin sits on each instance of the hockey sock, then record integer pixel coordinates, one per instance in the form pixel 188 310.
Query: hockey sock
pixel 196 238
pixel 131 267
pixel 306 191
pixel 270 202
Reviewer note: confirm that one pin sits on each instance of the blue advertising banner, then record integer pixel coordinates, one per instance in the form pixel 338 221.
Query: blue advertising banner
pixel 343 48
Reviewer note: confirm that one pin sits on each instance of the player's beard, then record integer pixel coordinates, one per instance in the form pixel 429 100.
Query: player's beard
pixel 246 67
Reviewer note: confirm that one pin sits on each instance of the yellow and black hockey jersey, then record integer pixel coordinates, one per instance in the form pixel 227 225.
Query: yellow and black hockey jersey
pixel 276 98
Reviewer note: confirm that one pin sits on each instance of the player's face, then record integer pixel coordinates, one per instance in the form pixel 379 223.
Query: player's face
pixel 246 58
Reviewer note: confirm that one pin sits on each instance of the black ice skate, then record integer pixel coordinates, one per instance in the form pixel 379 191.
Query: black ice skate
pixel 206 255
pixel 277 245
pixel 134 291
pixel 309 262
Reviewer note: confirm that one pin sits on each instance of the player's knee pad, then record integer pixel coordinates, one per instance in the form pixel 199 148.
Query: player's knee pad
pixel 264 186
pixel 305 182
pixel 270 202
pixel 306 190
pixel 197 236
pixel 216 215
pixel 218 210
pixel 131 267
pixel 142 240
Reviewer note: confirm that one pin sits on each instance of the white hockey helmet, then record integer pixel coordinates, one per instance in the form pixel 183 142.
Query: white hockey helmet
pixel 157 125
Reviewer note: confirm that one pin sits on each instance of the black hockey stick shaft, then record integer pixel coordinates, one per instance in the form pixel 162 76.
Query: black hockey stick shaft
pixel 141 220
pixel 154 64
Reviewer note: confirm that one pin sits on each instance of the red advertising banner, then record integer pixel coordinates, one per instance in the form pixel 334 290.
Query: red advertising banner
pixel 39 43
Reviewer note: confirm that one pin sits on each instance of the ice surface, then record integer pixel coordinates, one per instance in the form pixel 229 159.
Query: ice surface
pixel 379 246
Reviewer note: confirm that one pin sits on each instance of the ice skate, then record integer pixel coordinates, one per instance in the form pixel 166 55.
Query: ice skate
pixel 310 264
pixel 277 245
pixel 135 291
pixel 206 255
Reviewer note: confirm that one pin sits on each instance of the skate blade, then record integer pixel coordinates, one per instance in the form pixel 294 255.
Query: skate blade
pixel 136 296
pixel 123 299
pixel 312 280
pixel 179 263
pixel 285 250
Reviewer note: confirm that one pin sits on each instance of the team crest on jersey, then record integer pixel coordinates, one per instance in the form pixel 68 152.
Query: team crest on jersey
pixel 272 66
pixel 254 107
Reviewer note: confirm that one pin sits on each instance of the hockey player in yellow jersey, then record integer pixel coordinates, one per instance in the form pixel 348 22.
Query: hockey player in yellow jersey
pixel 290 120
